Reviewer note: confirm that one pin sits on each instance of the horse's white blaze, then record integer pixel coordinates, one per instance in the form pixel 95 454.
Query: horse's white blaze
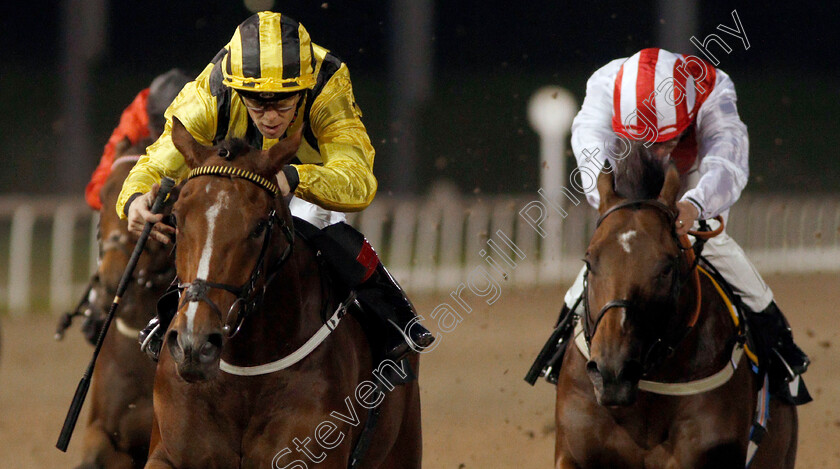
pixel 206 254
pixel 624 240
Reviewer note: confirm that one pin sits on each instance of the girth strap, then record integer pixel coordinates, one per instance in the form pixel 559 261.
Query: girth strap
pixel 298 354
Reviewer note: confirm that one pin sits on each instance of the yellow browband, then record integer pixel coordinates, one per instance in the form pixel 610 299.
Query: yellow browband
pixel 235 172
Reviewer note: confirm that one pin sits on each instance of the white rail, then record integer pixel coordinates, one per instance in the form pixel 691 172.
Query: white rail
pixel 431 244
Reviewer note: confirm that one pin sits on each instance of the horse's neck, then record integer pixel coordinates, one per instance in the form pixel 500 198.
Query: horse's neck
pixel 140 305
pixel 706 348
pixel 289 314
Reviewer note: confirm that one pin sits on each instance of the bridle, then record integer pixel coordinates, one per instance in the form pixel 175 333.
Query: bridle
pixel 662 346
pixel 247 298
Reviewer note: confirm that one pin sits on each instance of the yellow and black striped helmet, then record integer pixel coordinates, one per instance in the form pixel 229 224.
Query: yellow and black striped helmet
pixel 269 53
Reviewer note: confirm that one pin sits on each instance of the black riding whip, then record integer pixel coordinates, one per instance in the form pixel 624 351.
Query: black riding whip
pixel 81 391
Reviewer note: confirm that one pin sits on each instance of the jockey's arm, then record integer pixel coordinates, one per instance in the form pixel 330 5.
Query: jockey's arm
pixel 592 128
pixel 133 127
pixel 195 107
pixel 724 151
pixel 345 182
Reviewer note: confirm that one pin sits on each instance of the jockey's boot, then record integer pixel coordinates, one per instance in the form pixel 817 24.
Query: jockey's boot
pixel 356 265
pixel 91 307
pixel 775 334
pixel 547 364
pixel 151 337
pixel 383 296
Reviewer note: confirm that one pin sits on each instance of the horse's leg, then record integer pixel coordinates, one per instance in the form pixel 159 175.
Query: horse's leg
pixel 158 464
pixel 157 458
pixel 407 451
pixel 562 456
pixel 778 449
pixel 564 461
pixel 99 451
pixel 793 434
pixel 572 366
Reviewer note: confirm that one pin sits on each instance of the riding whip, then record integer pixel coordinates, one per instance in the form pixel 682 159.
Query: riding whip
pixel 81 391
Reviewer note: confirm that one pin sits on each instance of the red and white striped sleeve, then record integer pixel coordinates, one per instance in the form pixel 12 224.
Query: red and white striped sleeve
pixel 723 151
pixel 592 130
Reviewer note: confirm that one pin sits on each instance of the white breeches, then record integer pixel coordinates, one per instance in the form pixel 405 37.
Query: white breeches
pixel 314 214
pixel 727 257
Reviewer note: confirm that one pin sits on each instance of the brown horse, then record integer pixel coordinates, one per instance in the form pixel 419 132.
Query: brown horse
pixel 255 294
pixel 645 322
pixel 120 421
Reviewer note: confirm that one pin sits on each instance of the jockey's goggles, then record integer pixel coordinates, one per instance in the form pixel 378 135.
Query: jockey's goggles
pixel 262 102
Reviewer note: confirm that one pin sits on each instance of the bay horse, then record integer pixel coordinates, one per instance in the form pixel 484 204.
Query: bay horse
pixel 120 420
pixel 649 320
pixel 254 293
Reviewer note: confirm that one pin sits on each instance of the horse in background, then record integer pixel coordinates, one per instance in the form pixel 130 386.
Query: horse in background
pixel 648 319
pixel 253 364
pixel 120 420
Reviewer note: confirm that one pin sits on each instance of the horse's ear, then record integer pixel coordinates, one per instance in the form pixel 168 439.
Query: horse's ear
pixel 282 152
pixel 671 186
pixel 194 152
pixel 606 189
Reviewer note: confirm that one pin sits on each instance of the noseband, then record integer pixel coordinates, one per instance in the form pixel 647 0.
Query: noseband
pixel 247 299
pixel 661 347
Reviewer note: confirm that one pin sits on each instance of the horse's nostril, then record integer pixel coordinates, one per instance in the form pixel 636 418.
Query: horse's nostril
pixel 174 346
pixel 215 339
pixel 172 338
pixel 591 366
pixel 207 351
pixel 210 349
pixel 632 371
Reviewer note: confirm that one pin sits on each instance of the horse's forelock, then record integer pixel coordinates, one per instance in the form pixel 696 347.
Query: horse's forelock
pixel 640 175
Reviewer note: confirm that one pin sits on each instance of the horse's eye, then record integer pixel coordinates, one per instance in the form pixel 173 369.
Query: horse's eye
pixel 258 230
pixel 667 271
pixel 588 264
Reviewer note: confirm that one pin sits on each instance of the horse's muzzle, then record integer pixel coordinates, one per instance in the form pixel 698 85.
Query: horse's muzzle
pixel 615 388
pixel 196 356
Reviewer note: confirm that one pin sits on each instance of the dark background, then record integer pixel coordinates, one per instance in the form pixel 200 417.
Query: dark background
pixel 489 57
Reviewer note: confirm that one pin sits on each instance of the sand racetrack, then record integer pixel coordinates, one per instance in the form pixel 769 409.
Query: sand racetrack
pixel 477 410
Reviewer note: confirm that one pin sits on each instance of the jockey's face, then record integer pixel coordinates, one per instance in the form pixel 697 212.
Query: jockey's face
pixel 663 149
pixel 272 117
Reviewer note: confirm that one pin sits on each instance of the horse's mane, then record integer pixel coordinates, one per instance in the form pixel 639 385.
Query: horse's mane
pixel 640 175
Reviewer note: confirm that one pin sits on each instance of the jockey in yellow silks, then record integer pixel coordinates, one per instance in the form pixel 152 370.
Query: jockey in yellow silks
pixel 270 81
